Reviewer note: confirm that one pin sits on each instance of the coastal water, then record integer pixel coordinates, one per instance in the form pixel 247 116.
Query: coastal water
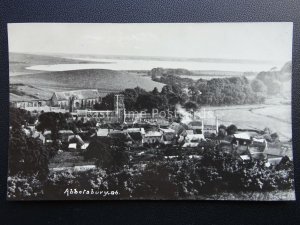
pixel 145 64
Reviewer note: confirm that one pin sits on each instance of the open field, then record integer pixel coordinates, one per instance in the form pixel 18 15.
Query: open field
pixel 277 117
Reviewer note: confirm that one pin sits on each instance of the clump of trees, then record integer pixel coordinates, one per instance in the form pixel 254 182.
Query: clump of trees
pixel 27 155
pixel 138 99
pixel 57 121
pixel 217 91
pixel 273 79
pixel 258 86
pixel 110 153
pixel 232 129
pixel 227 91
pixel 269 135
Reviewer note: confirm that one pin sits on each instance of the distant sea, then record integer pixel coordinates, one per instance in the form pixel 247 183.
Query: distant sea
pixel 148 64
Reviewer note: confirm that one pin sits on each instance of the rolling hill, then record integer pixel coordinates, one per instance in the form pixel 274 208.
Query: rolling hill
pixel 84 79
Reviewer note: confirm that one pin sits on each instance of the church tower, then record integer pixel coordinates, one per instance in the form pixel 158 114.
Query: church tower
pixel 119 107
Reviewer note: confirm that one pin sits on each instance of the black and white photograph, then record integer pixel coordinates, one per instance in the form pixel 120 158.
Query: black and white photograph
pixel 150 111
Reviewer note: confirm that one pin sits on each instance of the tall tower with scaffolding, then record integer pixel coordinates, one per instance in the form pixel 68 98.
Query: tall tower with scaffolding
pixel 119 107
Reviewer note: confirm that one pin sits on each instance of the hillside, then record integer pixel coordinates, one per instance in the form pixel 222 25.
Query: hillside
pixel 19 61
pixel 83 79
pixel 26 92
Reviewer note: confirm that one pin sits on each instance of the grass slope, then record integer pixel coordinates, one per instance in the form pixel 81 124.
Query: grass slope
pixel 83 79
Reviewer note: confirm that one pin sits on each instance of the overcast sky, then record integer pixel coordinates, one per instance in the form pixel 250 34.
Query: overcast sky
pixel 258 41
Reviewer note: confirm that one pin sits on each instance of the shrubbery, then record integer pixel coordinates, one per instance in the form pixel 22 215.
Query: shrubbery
pixel 24 187
pixel 27 155
pixel 110 153
pixel 216 172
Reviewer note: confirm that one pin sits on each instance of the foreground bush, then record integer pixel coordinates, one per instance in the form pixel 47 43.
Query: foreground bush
pixel 21 187
pixel 28 155
pixel 213 174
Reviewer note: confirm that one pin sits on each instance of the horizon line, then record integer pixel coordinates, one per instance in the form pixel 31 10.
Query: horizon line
pixel 165 58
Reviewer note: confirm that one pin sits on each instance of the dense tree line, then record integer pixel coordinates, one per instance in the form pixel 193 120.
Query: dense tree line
pixel 217 91
pixel 138 99
pixel 226 91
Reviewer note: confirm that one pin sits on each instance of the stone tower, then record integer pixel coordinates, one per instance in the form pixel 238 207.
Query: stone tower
pixel 119 107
